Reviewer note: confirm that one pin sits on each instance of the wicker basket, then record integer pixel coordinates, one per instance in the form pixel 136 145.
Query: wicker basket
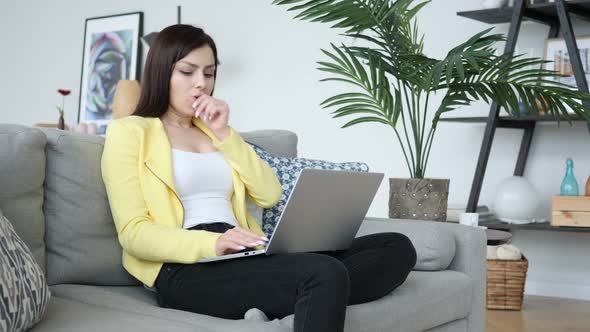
pixel 505 283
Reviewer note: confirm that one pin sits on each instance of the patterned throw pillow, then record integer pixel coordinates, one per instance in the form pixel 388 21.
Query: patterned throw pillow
pixel 287 170
pixel 24 294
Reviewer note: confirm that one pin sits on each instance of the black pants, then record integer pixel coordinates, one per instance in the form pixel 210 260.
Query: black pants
pixel 317 287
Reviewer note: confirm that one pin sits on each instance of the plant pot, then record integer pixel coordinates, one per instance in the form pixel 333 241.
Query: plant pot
pixel 423 199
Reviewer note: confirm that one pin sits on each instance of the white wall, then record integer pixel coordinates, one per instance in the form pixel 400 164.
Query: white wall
pixel 268 77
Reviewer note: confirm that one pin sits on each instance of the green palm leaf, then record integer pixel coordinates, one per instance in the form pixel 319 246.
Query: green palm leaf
pixel 374 97
pixel 466 59
pixel 355 16
pixel 364 119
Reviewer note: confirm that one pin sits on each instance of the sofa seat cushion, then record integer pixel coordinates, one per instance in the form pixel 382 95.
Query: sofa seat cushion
pixel 425 300
pixel 435 246
pixel 134 300
pixel 65 315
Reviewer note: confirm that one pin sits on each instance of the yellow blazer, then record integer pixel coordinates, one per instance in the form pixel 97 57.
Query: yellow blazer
pixel 147 211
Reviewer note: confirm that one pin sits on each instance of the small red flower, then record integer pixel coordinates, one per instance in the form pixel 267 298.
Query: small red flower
pixel 63 93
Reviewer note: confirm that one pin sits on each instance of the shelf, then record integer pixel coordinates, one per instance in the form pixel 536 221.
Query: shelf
pixel 496 224
pixel 513 121
pixel 490 16
pixel 545 13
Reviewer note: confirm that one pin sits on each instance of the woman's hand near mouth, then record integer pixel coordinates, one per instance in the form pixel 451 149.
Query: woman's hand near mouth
pixel 214 113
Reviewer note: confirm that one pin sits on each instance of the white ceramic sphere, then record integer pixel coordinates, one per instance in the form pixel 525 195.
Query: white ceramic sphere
pixel 517 201
pixel 488 4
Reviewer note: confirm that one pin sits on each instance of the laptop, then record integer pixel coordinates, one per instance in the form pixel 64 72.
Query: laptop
pixel 323 213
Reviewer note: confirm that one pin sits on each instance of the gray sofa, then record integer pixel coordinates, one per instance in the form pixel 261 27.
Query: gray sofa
pixel 51 190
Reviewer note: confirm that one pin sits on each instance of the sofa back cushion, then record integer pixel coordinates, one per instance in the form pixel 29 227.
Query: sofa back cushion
pixel 435 246
pixel 288 170
pixel 280 143
pixel 82 245
pixel 22 171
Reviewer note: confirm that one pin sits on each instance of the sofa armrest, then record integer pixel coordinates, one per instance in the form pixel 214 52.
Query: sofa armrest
pixel 469 257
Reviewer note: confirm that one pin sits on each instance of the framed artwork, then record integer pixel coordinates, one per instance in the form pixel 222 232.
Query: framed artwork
pixel 111 52
pixel 556 51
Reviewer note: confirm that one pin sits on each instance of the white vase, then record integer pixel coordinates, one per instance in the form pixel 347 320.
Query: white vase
pixel 517 201
pixel 92 129
pixel 488 4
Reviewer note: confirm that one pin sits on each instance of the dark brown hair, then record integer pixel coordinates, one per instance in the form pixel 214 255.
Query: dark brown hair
pixel 172 44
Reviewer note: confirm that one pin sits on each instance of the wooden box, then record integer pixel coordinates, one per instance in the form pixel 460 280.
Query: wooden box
pixel 572 211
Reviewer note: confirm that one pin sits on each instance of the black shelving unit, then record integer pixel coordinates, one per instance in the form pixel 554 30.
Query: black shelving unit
pixel 544 226
pixel 544 13
pixel 557 15
pixel 515 122
pixel 496 224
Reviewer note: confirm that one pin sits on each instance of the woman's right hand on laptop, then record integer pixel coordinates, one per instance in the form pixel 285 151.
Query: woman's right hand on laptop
pixel 237 239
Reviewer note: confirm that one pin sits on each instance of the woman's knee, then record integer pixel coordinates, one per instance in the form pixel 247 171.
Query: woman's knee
pixel 405 244
pixel 404 248
pixel 326 270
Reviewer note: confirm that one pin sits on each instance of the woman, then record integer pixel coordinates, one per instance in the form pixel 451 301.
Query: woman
pixel 177 176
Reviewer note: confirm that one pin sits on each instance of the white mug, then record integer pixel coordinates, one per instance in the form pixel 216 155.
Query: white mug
pixel 469 219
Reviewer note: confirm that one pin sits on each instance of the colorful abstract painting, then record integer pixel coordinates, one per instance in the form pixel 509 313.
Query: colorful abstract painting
pixel 111 53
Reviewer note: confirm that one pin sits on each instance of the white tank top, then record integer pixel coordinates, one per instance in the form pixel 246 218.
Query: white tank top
pixel 204 184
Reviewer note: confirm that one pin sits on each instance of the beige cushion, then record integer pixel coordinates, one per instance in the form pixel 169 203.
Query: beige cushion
pixel 126 98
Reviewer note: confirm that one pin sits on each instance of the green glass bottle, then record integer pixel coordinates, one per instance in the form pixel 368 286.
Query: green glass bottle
pixel 569 185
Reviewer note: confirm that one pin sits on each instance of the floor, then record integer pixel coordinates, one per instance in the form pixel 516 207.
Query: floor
pixel 540 314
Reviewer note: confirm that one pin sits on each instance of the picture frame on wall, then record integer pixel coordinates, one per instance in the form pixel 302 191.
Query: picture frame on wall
pixel 111 52
pixel 556 52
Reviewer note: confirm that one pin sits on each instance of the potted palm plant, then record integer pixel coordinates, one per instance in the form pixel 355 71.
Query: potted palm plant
pixel 393 81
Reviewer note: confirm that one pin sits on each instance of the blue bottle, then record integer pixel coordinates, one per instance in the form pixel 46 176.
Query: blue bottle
pixel 569 185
